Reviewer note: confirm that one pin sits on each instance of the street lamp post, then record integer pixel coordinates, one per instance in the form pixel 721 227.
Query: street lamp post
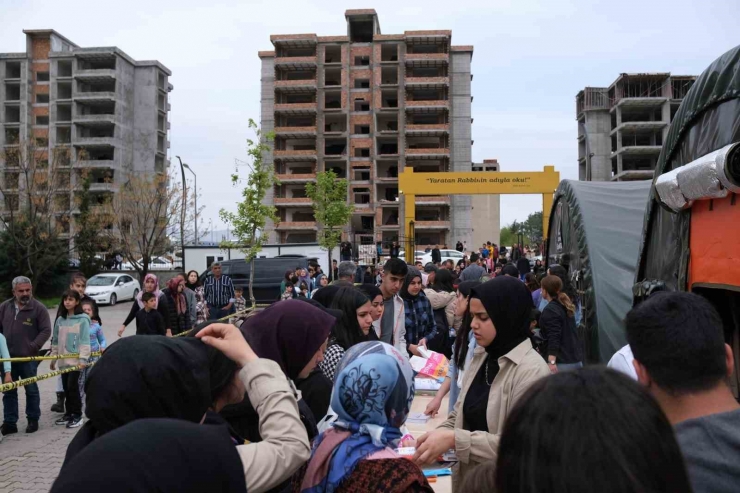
pixel 182 213
pixel 210 226
pixel 195 196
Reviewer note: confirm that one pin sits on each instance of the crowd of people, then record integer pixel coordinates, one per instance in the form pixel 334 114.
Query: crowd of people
pixel 311 394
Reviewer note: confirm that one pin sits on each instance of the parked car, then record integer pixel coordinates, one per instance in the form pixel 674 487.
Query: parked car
pixel 268 274
pixel 453 255
pixel 155 263
pixel 417 255
pixel 109 289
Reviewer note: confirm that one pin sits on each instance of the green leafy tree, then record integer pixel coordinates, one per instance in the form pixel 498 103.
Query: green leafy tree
pixel 252 214
pixel 508 237
pixel 532 230
pixel 330 207
pixel 88 240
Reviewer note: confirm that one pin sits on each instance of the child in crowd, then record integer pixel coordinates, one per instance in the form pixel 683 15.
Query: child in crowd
pixel 303 292
pixel 97 343
pixel 239 304
pixel 5 354
pixel 289 290
pixel 149 321
pixel 71 335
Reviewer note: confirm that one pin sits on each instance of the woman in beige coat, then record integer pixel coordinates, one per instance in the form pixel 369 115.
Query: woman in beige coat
pixel 504 366
pixel 442 294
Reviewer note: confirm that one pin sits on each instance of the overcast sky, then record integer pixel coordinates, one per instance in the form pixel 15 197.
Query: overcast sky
pixel 530 60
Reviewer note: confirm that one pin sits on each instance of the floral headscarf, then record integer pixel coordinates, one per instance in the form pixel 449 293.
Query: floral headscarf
pixel 157 292
pixel 372 396
pixel 181 303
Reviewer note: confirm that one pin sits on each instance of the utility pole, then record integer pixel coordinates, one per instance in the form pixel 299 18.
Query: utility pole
pixel 182 213
pixel 195 198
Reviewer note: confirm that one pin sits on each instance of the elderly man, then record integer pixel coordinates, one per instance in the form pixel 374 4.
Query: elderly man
pixel 25 324
pixel 218 290
pixel 346 273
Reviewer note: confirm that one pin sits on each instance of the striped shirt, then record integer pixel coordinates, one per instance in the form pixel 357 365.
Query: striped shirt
pixel 218 292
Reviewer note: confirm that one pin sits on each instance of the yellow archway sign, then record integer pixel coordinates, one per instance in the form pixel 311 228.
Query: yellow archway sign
pixel 411 184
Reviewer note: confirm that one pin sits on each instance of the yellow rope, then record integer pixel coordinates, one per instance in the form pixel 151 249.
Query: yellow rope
pixel 27 381
pixel 44 358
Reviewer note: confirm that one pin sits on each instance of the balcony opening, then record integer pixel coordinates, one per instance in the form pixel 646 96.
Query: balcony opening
pixel 387 123
pixel 12 114
pixel 362 152
pixel 62 156
pixel 162 102
pixel 284 144
pixel 296 121
pixel 158 164
pixel 298 98
pixel 335 123
pixel 333 77
pixel 362 105
pixel 361 129
pixel 97 131
pixel 12 70
pixel 290 168
pixel 426 95
pixel 100 153
pixel 303 216
pixel 333 54
pixel 161 123
pixel 64 68
pixel 298 75
pixel 429 214
pixel 362 61
pixel 333 100
pixel 426 72
pixel 362 83
pixel 638 164
pixel 339 168
pixel 11 180
pixel 427 119
pixel 42 76
pixel 389 193
pixel 97 86
pixel 42 120
pixel 12 135
pixel 12 92
pixel 680 87
pixel 42 98
pixel 361 195
pixel 335 147
pixel 641 115
pixel 389 76
pixel 296 52
pixel 426 48
pixel 299 237
pixel 388 146
pixel 64 135
pixel 361 31
pixel 97 108
pixel 389 99
pixel 389 53
pixel 64 90
pixel 362 175
pixel 162 81
pixel 42 141
pixel 390 216
pixel 107 63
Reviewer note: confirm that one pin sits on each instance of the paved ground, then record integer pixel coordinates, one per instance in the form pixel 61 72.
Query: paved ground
pixel 32 462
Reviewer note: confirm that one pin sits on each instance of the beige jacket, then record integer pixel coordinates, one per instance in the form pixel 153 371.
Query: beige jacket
pixel 448 301
pixel 519 369
pixel 284 447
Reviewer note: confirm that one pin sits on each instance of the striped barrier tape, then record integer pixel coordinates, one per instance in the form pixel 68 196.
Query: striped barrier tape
pixel 44 358
pixel 226 318
pixel 27 381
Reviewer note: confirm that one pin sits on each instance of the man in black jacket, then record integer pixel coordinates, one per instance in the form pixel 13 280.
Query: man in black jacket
pixel 436 255
pixel 523 267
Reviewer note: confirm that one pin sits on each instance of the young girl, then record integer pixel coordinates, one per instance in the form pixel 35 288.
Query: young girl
pixel 97 343
pixel 289 291
pixel 71 335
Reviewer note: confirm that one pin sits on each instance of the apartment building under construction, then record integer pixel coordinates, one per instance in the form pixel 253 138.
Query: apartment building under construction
pixel 621 128
pixel 366 105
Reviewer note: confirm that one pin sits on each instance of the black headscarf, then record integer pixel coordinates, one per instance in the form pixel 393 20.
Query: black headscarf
pixel 326 294
pixel 163 455
pixel 508 304
pixel 412 273
pixel 371 291
pixel 347 331
pixel 151 377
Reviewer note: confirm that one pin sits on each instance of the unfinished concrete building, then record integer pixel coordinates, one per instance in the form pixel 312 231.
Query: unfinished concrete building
pixel 621 128
pixel 486 215
pixel 366 105
pixel 108 109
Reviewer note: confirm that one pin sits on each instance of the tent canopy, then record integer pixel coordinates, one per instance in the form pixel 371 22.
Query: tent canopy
pixel 595 230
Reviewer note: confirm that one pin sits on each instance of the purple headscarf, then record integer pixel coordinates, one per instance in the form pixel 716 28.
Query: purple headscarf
pixel 157 292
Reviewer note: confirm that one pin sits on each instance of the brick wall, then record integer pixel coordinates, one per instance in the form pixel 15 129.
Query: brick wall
pixel 40 89
pixel 359 74
pixel 360 51
pixel 360 143
pixel 40 110
pixel 40 48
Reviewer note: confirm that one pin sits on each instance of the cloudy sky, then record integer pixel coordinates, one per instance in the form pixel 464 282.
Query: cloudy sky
pixel 530 60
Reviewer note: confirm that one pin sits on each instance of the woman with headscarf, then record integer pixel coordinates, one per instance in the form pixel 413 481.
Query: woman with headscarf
pixel 354 327
pixel 294 335
pixel 184 378
pixel 151 285
pixel 201 307
pixel 372 397
pixel 178 306
pixel 420 324
pixel 504 366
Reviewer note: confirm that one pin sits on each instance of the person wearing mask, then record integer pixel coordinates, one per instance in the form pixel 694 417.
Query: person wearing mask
pixel 201 307
pixel 356 454
pixel 618 451
pixel 460 359
pixel 177 303
pixel 293 334
pixel 391 328
pixel 475 270
pixel 151 285
pixel 681 357
pixel 354 327
pixel 503 368
pixel 264 465
pixel 219 293
pixel 420 324
pixel 26 326
pixel 558 327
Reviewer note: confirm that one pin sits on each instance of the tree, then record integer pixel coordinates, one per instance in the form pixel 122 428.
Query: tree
pixel 330 207
pixel 143 213
pixel 508 237
pixel 37 193
pixel 532 229
pixel 90 221
pixel 250 219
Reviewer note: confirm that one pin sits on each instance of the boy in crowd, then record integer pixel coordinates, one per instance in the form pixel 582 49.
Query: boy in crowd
pixel 97 343
pixel 239 304
pixel 149 321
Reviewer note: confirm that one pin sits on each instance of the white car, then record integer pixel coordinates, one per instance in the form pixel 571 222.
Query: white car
pixel 108 289
pixel 417 255
pixel 453 255
pixel 155 263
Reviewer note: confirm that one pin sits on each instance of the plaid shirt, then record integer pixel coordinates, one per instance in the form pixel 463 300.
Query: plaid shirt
pixel 420 322
pixel 240 304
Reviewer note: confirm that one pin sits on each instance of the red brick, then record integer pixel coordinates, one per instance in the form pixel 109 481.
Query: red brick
pixel 40 48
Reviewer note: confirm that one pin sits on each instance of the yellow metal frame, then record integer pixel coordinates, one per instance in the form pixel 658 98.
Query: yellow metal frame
pixel 411 184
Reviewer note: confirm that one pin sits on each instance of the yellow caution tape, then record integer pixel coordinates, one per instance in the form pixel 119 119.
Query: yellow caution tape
pixel 44 358
pixel 27 381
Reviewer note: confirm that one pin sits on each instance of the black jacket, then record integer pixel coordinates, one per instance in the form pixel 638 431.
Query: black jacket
pixel 436 256
pixel 150 323
pixel 559 330
pixel 523 266
pixel 162 308
pixel 179 322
